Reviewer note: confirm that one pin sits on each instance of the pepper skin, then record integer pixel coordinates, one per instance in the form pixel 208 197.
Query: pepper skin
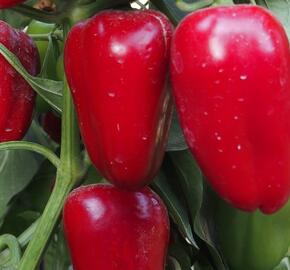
pixel 16 96
pixel 230 70
pixel 251 241
pixel 110 228
pixel 116 65
pixel 10 3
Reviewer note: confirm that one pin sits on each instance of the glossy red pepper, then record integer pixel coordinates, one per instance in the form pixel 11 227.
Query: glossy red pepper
pixel 10 3
pixel 109 228
pixel 116 65
pixel 16 96
pixel 230 70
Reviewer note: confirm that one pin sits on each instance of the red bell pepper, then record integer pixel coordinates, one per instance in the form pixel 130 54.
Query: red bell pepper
pixel 10 3
pixel 109 228
pixel 230 70
pixel 116 65
pixel 16 96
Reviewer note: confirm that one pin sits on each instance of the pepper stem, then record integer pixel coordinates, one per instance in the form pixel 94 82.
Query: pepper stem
pixel 187 7
pixel 29 146
pixel 40 15
pixel 13 259
pixel 68 174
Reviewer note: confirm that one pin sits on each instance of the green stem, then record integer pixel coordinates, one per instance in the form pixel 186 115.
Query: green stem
pixel 40 15
pixel 22 239
pixel 68 174
pixel 42 150
pixel 187 7
pixel 25 237
pixel 11 261
pixel 45 37
pixel 223 2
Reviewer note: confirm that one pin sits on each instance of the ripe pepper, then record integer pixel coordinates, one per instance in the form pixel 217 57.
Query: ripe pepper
pixel 10 3
pixel 110 228
pixel 16 96
pixel 116 65
pixel 252 241
pixel 230 69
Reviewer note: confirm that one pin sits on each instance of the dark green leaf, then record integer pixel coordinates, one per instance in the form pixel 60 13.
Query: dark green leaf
pixel 176 141
pixel 93 176
pixel 179 253
pixel 170 8
pixel 190 179
pixel 17 220
pixel 37 193
pixel 174 203
pixel 203 266
pixel 15 19
pixel 173 264
pixel 191 182
pixel 57 256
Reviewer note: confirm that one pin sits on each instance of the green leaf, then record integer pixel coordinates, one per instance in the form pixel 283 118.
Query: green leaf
pixel 93 176
pixel 190 179
pixel 37 193
pixel 15 19
pixel 176 10
pixel 49 90
pixel 170 8
pixel 176 141
pixel 284 265
pixel 17 220
pixel 50 60
pixel 16 170
pixel 176 208
pixel 191 182
pixel 280 8
pixel 179 253
pixel 202 266
pixel 173 264
pixel 57 256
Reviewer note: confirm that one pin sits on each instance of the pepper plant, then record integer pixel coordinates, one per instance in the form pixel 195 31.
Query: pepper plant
pixel 160 137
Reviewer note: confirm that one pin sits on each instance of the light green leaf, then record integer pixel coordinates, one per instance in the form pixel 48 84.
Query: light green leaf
pixel 280 8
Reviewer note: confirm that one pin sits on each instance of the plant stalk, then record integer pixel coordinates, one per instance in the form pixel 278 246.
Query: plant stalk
pixel 68 174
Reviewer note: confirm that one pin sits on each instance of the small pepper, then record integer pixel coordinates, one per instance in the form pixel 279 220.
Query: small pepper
pixel 16 96
pixel 109 228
